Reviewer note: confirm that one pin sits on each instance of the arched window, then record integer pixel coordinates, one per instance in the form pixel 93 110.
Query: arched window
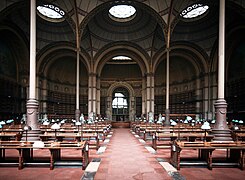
pixel 119 101
pixel 120 104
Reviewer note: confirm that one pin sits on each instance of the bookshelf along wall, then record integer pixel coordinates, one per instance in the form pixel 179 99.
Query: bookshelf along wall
pixel 103 106
pixel 235 98
pixel 178 103
pixel 138 106
pixel 63 103
pixel 11 99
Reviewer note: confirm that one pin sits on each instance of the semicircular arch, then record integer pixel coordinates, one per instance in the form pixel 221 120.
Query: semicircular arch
pixel 122 48
pixel 121 84
pixel 198 57
pixel 54 51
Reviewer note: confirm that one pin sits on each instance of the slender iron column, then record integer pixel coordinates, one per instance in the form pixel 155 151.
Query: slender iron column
pixel 167 112
pixel 221 130
pixel 32 103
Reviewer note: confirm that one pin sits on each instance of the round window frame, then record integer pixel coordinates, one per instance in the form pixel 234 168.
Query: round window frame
pixel 122 19
pixel 51 7
pixel 191 8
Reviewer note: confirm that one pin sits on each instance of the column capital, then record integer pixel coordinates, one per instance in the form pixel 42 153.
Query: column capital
pixel 92 74
pixel 149 74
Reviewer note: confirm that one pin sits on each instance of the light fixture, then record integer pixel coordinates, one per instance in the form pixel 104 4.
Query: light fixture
pixel 26 128
pixel 193 123
pixel 78 123
pixel 205 127
pixel 213 121
pixel 9 121
pixel 173 123
pixel 2 123
pixel 236 127
pixel 55 127
pixel 46 123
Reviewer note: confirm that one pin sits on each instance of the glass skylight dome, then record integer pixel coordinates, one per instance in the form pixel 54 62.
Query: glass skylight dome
pixel 194 10
pixel 51 12
pixel 122 12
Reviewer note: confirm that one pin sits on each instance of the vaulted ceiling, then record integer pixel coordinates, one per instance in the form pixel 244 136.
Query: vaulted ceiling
pixel 147 30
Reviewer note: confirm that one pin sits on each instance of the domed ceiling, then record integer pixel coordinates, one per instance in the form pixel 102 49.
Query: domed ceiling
pixel 142 30
pixel 146 29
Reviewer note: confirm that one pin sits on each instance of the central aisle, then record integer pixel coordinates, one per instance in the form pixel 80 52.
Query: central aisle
pixel 126 158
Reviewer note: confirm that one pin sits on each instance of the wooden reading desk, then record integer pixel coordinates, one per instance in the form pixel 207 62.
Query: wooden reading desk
pixel 25 150
pixel 75 136
pixel 235 152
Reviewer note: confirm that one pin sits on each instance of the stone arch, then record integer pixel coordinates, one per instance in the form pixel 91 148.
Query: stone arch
pixel 198 57
pixel 119 48
pixel 48 54
pixel 131 99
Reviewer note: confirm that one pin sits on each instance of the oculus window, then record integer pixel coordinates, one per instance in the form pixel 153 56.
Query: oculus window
pixel 121 58
pixel 122 13
pixel 50 12
pixel 194 11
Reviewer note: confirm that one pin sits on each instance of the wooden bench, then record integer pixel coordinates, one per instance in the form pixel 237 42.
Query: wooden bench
pixel 25 151
pixel 7 136
pixel 235 153
pixel 73 137
pixel 166 138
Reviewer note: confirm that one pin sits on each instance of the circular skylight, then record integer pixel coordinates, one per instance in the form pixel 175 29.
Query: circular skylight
pixel 122 12
pixel 194 11
pixel 51 12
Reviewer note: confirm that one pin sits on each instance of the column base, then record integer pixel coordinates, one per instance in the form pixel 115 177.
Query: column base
pixel 32 121
pixel 221 131
pixel 222 135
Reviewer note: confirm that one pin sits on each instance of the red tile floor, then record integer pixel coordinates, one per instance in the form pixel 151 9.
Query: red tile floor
pixel 125 158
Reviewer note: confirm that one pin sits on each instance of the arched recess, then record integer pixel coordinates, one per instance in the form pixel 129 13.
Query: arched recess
pixel 235 73
pixel 131 99
pixel 121 48
pixel 57 80
pixel 14 66
pixel 195 53
pixel 46 54
pixel 188 67
pixel 137 70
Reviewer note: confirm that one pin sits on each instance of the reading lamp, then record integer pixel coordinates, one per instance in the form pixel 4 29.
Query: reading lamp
pixel 78 123
pixel 2 123
pixel 173 123
pixel 55 127
pixel 26 129
pixel 46 123
pixel 205 127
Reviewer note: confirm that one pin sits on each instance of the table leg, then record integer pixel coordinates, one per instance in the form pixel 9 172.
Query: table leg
pixel 20 159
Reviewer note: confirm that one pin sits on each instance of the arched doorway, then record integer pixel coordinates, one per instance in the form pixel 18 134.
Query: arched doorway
pixel 120 104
